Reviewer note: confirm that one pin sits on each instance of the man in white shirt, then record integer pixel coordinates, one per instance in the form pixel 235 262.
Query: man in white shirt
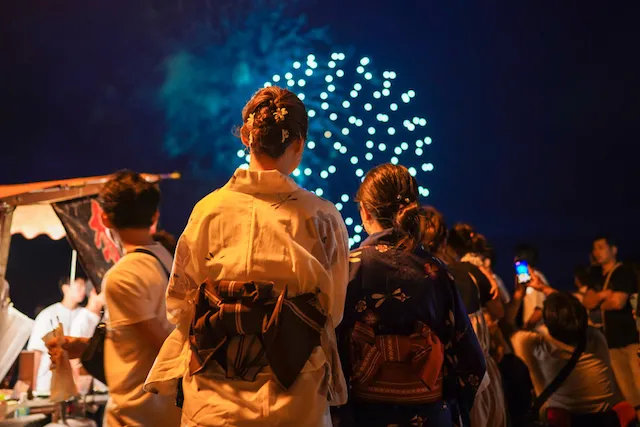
pixel 67 312
pixel 134 290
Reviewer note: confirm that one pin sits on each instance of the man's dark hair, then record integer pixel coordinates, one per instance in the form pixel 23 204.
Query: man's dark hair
pixel 527 252
pixel 604 237
pixel 64 280
pixel 565 317
pixel 129 201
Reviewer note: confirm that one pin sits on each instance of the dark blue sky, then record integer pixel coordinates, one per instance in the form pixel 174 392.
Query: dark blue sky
pixel 533 109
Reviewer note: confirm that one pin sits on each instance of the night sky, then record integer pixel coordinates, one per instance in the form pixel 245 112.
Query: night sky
pixel 533 110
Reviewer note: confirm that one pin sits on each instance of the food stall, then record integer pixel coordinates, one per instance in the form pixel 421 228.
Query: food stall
pixel 62 208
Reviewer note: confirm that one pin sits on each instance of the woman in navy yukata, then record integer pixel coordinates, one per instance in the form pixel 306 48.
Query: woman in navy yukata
pixel 408 348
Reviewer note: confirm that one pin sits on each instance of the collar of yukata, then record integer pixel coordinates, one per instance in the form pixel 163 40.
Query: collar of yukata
pixel 381 236
pixel 265 182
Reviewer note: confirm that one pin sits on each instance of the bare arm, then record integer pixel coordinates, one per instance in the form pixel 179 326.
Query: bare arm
pixel 524 345
pixel 614 300
pixel 153 333
pixel 591 299
pixel 534 319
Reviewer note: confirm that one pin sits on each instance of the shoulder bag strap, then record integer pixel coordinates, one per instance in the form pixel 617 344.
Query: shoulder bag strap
pixel 561 377
pixel 609 274
pixel 605 286
pixel 148 252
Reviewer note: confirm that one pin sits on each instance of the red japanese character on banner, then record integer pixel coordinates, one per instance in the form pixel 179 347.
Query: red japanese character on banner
pixel 101 237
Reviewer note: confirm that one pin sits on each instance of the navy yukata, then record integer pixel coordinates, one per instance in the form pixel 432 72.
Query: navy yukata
pixel 393 292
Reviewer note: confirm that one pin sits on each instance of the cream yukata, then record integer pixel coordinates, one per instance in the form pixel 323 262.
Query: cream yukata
pixel 261 226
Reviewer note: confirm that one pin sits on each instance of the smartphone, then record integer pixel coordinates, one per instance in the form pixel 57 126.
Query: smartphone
pixel 522 272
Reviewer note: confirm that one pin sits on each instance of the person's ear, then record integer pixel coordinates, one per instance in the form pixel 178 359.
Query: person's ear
pixel 154 221
pixel 105 220
pixel 244 141
pixel 364 214
pixel 298 145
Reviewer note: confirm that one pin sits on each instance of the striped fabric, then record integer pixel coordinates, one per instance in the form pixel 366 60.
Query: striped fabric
pixel 245 326
pixel 397 368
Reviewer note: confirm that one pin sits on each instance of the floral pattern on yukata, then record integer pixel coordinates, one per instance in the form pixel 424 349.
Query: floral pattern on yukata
pixel 391 289
pixel 381 298
pixel 325 249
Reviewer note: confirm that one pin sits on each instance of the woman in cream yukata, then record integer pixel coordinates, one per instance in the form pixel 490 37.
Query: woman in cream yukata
pixel 260 226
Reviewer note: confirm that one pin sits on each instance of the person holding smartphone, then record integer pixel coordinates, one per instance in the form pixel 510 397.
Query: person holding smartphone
pixel 532 299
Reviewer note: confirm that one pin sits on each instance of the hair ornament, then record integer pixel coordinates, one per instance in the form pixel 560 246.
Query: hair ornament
pixel 279 114
pixel 285 135
pixel 406 199
pixel 250 119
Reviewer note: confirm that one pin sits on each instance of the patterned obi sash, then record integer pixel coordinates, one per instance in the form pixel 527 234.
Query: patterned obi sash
pixel 397 369
pixel 245 326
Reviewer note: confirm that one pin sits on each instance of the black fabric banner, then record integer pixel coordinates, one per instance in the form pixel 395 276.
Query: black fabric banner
pixel 97 249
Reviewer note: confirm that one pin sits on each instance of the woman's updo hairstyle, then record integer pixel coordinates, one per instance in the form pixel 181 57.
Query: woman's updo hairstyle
pixel 272 119
pixel 390 194
pixel 462 239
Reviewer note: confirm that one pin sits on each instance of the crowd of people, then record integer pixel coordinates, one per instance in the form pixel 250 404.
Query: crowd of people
pixel 264 317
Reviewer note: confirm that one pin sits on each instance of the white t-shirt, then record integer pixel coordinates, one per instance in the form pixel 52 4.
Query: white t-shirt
pixel 45 321
pixel 134 292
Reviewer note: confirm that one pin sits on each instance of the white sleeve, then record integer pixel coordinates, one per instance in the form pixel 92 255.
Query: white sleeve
pixel 339 270
pixel 186 275
pixel 41 326
pixel 84 324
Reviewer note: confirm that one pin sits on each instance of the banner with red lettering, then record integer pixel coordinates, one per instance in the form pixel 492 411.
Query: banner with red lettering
pixel 97 249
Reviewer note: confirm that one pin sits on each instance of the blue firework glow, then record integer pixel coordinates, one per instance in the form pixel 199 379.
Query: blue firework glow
pixel 358 118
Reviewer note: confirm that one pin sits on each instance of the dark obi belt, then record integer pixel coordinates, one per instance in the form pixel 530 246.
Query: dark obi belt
pixel 245 326
pixel 399 369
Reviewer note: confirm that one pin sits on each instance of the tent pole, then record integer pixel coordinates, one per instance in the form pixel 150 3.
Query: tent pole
pixel 72 272
pixel 6 214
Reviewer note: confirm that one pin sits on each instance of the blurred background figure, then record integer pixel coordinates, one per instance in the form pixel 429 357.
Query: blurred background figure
pixel 533 299
pixel 68 311
pixel 611 294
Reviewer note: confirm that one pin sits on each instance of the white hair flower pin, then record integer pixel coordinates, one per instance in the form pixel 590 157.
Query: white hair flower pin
pixel 280 113
pixel 285 135
pixel 250 119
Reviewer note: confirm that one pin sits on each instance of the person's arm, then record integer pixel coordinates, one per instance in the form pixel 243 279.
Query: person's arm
pixel 592 299
pixel 152 331
pixel 74 346
pixel 534 319
pixel 524 344
pixel 613 300
pixel 339 268
pixel 623 283
pixel 511 311
pixel 489 292
pixel 544 290
pixel 37 357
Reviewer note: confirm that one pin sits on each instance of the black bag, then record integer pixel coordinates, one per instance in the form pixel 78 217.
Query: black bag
pixel 93 356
